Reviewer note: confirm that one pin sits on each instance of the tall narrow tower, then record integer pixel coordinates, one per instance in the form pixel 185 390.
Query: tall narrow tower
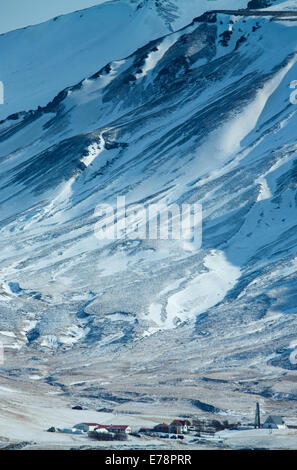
pixel 257 417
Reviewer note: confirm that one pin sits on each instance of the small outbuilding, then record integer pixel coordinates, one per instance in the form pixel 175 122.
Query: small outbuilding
pixel 52 429
pixel 274 422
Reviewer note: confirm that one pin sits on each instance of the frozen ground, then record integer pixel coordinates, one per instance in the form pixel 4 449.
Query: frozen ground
pixel 28 411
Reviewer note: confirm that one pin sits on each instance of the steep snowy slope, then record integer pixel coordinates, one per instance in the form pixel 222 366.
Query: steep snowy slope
pixel 181 120
pixel 39 61
pixel 199 115
pixel 273 4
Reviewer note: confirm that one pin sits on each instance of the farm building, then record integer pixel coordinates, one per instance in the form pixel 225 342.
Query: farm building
pixel 274 422
pixel 162 428
pixel 179 426
pixel 86 427
pixel 119 429
pixel 115 429
pixel 53 429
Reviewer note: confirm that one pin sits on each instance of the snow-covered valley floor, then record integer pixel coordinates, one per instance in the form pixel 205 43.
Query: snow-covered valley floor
pixel 27 412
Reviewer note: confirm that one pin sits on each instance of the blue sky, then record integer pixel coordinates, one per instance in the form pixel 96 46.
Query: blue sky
pixel 19 13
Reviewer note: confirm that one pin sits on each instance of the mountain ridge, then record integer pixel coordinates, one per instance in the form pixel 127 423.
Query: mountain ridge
pixel 98 35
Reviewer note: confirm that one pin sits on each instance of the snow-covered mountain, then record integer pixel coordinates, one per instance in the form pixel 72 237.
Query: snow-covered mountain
pixel 202 114
pixel 39 61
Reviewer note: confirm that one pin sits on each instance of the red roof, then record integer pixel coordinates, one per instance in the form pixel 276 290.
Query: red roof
pixel 177 422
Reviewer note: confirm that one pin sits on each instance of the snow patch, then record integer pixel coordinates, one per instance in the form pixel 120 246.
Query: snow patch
pixel 204 291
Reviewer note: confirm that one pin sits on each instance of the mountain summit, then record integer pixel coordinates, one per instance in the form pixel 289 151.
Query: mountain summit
pixel 40 61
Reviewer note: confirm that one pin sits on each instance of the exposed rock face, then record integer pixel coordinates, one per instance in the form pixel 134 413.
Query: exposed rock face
pixel 259 4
